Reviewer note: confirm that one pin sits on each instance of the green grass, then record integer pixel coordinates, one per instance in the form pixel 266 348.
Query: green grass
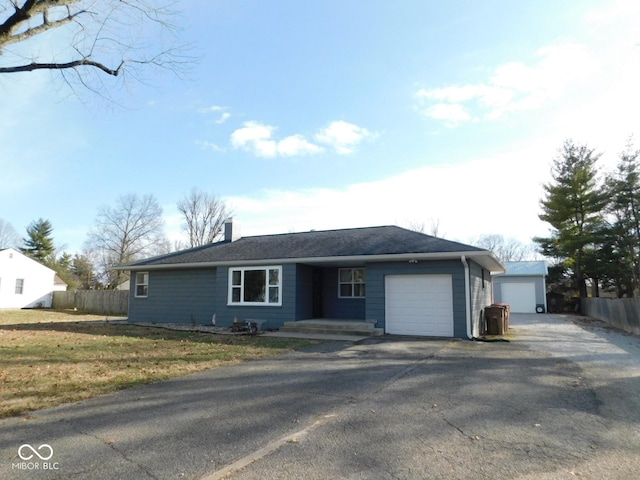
pixel 48 358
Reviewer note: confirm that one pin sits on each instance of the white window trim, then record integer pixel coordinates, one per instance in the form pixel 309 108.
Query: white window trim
pixel 352 283
pixel 136 284
pixel 21 292
pixel 266 303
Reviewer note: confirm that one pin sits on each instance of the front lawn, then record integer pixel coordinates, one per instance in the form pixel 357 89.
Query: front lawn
pixel 48 358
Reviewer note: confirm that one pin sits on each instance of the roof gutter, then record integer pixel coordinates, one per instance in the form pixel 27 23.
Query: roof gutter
pixel 467 294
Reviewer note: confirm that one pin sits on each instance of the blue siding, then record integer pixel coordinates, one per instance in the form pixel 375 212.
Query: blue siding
pixel 481 295
pixel 335 307
pixel 195 295
pixel 175 296
pixel 376 272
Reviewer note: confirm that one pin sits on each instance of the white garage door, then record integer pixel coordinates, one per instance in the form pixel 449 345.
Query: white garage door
pixel 419 305
pixel 521 296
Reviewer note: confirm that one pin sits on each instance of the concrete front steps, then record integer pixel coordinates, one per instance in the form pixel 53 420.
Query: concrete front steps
pixel 332 327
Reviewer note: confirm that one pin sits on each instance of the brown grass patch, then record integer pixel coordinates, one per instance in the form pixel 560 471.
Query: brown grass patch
pixel 48 358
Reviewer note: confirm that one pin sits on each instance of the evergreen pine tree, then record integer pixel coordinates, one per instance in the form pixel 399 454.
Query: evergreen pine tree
pixel 39 244
pixel 573 205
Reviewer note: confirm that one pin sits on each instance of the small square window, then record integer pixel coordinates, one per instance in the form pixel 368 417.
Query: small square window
pixel 351 283
pixel 142 284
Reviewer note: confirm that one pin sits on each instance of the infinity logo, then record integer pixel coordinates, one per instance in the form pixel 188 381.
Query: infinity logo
pixel 29 456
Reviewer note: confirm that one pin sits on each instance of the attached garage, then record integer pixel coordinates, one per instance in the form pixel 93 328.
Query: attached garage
pixel 522 286
pixel 419 305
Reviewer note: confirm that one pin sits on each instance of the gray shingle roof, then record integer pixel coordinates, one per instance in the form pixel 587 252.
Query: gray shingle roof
pixel 385 240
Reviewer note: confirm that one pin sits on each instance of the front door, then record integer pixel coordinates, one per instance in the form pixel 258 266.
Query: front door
pixel 316 289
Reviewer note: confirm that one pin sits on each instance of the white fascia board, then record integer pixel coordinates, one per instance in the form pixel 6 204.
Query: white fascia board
pixel 484 258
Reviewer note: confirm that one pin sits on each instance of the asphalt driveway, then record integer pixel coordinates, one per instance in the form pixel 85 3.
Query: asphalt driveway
pixel 561 400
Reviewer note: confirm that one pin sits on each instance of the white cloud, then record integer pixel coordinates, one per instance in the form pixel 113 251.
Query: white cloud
pixel 258 138
pixel 223 118
pixel 217 109
pixel 255 137
pixel 212 109
pixel 613 13
pixel 514 86
pixel 205 145
pixel 342 136
pixel 464 198
pixel 451 112
pixel 297 145
pixel 454 94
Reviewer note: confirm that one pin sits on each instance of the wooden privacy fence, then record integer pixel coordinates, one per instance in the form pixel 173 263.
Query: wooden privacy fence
pixel 101 302
pixel 622 313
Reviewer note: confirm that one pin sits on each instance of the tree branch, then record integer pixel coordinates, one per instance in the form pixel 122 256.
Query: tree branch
pixel 63 66
pixel 8 38
pixel 128 35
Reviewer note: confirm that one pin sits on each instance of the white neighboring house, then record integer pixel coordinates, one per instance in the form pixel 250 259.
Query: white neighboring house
pixel 25 283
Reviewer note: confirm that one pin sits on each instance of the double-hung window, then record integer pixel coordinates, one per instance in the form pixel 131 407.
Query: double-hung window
pixel 351 283
pixel 19 286
pixel 142 284
pixel 255 286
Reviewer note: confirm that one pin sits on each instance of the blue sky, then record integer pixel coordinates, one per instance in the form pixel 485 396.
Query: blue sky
pixel 331 114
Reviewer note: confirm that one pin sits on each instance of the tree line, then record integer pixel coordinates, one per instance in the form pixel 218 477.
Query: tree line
pixel 594 242
pixel 129 230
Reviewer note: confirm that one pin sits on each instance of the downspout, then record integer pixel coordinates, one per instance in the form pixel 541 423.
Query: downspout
pixel 467 294
pixel 544 293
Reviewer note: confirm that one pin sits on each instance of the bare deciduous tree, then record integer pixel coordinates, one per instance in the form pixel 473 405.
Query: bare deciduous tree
pixel 434 227
pixel 88 37
pixel 131 230
pixel 8 235
pixel 204 215
pixel 506 249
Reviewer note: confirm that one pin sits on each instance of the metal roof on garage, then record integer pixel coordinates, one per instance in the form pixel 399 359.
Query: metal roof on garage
pixel 527 268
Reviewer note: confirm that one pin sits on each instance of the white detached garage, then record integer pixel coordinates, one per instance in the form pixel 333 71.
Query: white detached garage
pixel 522 286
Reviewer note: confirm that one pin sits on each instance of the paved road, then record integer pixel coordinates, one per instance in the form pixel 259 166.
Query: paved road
pixel 562 400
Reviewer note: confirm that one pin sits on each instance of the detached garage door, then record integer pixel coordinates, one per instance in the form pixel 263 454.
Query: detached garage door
pixel 419 305
pixel 521 296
